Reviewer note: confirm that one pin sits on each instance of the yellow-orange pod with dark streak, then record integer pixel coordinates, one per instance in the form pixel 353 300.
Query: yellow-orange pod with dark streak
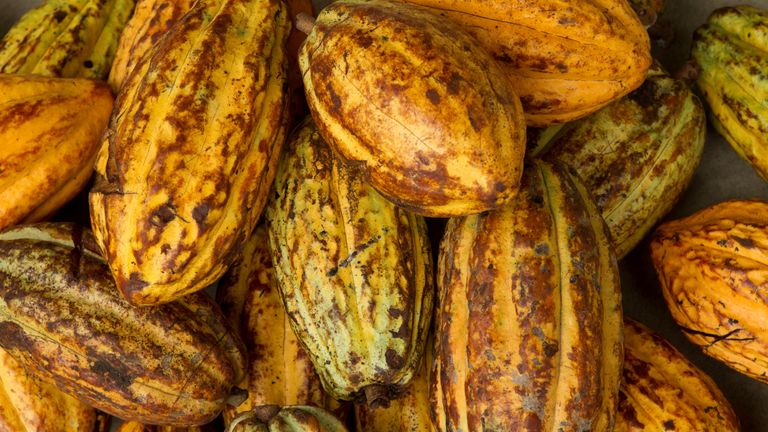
pixel 564 58
pixel 528 331
pixel 713 270
pixel 191 150
pixel 410 98
pixel 663 391
pixel 28 404
pixel 50 134
pixel 354 271
pixel 279 370
pixel 62 318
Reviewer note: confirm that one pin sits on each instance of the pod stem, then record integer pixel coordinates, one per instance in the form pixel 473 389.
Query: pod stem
pixel 304 22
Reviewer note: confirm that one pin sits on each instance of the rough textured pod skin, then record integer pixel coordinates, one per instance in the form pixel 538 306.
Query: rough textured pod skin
pixel 713 269
pixel 296 418
pixel 27 404
pixel 565 59
pixel 62 318
pixel 49 142
pixel 410 97
pixel 663 391
pixel 191 150
pixel 731 52
pixel 354 270
pixel 637 155
pixel 528 332
pixel 408 413
pixel 279 371
pixel 66 38
pixel 150 20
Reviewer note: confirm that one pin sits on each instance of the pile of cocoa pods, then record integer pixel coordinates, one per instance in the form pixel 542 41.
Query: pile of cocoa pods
pixel 243 215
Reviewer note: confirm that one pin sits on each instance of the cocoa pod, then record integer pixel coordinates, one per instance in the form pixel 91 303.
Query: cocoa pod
pixel 150 20
pixel 565 59
pixel 731 55
pixel 27 404
pixel 133 426
pixel 297 418
pixel 410 98
pixel 637 155
pixel 279 371
pixel 62 318
pixel 65 38
pixel 354 271
pixel 712 269
pixel 662 390
pixel 191 150
pixel 49 142
pixel 528 331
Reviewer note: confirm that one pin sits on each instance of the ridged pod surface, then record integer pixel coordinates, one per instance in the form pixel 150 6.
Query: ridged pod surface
pixel 149 22
pixel 191 150
pixel 296 418
pixel 411 98
pixel 564 58
pixel 663 391
pixel 28 404
pixel 528 331
pixel 279 371
pixel 713 269
pixel 637 155
pixel 731 52
pixel 354 270
pixel 62 318
pixel 49 142
pixel 410 412
pixel 66 38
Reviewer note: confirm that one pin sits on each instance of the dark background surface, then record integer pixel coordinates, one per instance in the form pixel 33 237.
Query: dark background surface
pixel 722 175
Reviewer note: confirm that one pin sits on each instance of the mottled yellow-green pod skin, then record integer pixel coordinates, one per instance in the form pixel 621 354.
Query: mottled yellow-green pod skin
pixel 295 418
pixel 636 156
pixel 63 319
pixel 528 331
pixel 66 38
pixel 731 54
pixel 190 154
pixel 355 272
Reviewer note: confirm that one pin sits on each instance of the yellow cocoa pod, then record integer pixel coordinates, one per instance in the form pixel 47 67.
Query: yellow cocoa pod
pixel 528 331
pixel 62 318
pixel 150 20
pixel 65 38
pixel 191 150
pixel 28 404
pixel 713 269
pixel 134 426
pixel 410 98
pixel 354 271
pixel 663 391
pixel 564 58
pixel 296 418
pixel 279 370
pixel 51 129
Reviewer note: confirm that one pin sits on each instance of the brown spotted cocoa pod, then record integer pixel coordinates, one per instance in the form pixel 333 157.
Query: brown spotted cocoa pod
pixel 296 418
pixel 713 270
pixel 410 98
pixel 191 150
pixel 528 332
pixel 28 404
pixel 62 318
pixel 663 391
pixel 354 271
